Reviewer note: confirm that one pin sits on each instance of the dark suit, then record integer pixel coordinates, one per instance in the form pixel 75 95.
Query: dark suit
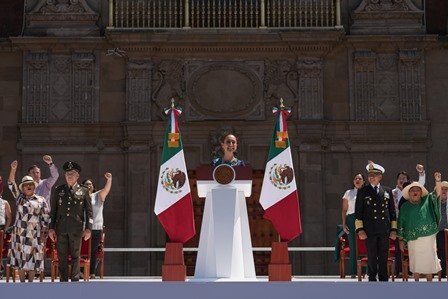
pixel 71 213
pixel 375 214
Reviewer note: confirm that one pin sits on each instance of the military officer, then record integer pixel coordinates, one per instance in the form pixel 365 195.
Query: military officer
pixel 71 220
pixel 376 221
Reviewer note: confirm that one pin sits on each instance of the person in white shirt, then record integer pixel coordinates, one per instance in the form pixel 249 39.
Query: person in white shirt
pixel 348 218
pixel 98 198
pixel 5 210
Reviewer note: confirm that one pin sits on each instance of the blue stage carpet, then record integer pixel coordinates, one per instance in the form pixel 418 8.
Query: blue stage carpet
pixel 130 288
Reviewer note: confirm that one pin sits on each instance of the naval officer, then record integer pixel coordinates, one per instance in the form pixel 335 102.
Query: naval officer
pixel 376 221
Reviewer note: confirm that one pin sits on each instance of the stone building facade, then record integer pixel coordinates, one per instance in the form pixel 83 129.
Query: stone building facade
pixel 85 81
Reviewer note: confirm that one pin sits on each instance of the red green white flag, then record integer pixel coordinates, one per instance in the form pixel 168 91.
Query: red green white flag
pixel 279 197
pixel 174 205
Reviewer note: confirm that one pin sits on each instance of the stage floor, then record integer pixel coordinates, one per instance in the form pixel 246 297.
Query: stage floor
pixel 300 287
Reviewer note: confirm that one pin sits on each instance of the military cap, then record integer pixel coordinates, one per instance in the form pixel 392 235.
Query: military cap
pixel 375 168
pixel 71 166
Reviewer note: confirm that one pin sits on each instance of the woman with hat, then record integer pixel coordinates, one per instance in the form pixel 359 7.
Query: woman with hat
pixel 27 244
pixel 418 225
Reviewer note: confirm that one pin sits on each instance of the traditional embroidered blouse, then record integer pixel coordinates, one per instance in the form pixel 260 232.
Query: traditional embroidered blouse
pixel 419 220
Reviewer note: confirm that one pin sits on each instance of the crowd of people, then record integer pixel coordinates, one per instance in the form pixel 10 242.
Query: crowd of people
pixel 409 216
pixel 66 214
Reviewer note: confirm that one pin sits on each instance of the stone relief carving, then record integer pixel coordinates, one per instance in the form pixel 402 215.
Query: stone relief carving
pixel 169 82
pixel 299 84
pixel 36 95
pixel 60 18
pixel 61 88
pixel 388 5
pixel 62 6
pixel 386 76
pixel 364 85
pixel 410 84
pixel 310 97
pixel 223 90
pixel 387 17
pixel 138 91
pixel 85 88
pixel 387 85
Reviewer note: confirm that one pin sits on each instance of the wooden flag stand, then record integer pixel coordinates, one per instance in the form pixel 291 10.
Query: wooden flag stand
pixel 279 268
pixel 173 268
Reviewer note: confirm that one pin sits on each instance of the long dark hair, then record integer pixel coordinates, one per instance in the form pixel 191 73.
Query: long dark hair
pixel 363 178
pixel 219 138
pixel 93 184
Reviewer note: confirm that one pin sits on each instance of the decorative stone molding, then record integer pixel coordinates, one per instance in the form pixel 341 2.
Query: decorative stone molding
pixel 411 85
pixel 138 91
pixel 36 94
pixel 387 17
pixel 168 81
pixel 299 84
pixel 61 18
pixel 60 88
pixel 310 96
pixel 224 90
pixel 387 86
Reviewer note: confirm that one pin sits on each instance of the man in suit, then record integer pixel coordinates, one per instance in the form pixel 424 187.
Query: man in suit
pixel 71 220
pixel 376 221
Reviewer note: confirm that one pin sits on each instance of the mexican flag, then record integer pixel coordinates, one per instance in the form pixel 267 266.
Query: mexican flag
pixel 279 196
pixel 174 206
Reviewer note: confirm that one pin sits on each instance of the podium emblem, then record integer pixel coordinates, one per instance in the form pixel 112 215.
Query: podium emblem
pixel 281 175
pixel 173 180
pixel 224 174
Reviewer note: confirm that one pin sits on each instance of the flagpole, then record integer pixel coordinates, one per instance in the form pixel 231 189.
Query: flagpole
pixel 279 268
pixel 176 217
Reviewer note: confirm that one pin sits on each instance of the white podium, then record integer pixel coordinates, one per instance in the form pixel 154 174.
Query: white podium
pixel 225 247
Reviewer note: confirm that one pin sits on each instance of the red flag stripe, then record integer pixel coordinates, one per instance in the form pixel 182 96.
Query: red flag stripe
pixel 178 220
pixel 287 208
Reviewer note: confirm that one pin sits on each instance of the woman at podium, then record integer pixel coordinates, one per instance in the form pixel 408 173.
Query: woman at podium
pixel 228 151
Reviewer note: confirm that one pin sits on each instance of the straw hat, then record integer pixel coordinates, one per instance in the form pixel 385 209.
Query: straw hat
pixel 26 180
pixel 414 184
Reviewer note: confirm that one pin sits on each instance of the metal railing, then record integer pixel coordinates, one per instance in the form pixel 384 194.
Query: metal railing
pixel 153 14
pixel 162 249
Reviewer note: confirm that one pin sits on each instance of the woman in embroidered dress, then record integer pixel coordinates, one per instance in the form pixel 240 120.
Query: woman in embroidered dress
pixel 228 151
pixel 27 242
pixel 418 225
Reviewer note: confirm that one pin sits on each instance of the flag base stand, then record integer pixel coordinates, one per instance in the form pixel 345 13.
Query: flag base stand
pixel 279 268
pixel 173 268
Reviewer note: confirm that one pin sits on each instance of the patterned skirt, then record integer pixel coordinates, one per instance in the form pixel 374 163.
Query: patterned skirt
pixel 26 251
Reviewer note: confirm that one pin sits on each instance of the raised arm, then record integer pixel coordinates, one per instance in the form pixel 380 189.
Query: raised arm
pixel 438 179
pixel 421 174
pixel 12 180
pixel 54 174
pixel 105 191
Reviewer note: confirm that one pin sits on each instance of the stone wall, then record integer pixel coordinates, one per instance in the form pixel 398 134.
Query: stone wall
pixel 96 96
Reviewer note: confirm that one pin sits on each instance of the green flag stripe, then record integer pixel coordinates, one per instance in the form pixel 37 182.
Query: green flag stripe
pixel 169 152
pixel 273 150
